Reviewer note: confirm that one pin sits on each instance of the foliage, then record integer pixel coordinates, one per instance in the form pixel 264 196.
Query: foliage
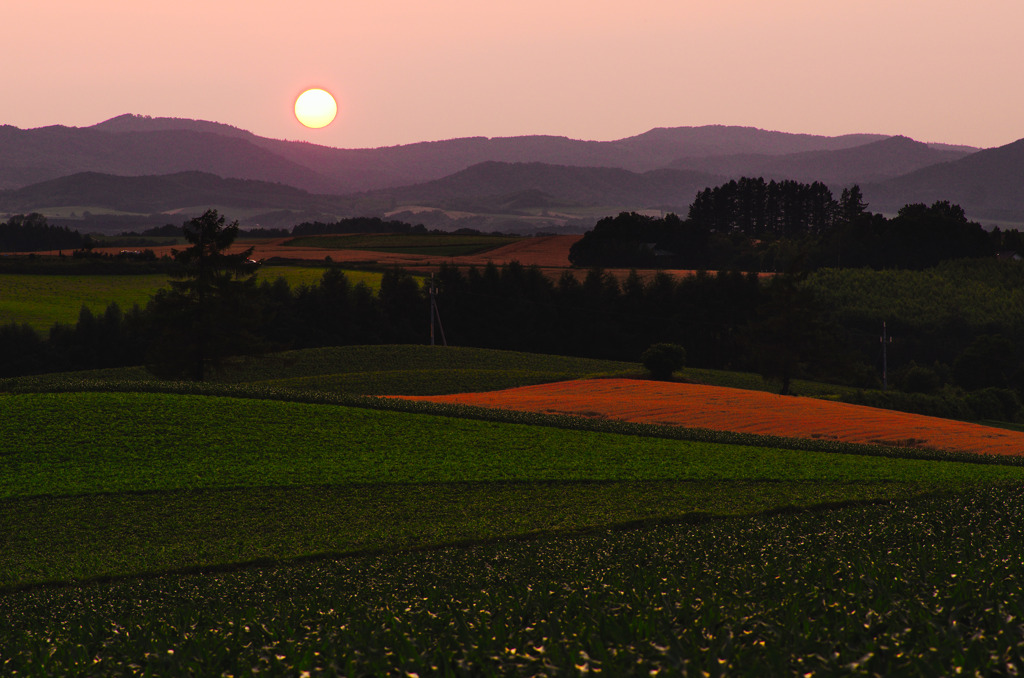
pixel 414 370
pixel 914 588
pixel 83 460
pixel 93 440
pixel 726 321
pixel 204 529
pixel 995 404
pixel 937 317
pixel 760 209
pixel 497 416
pixel 208 313
pixel 29 233
pixel 755 225
pixel 40 300
pixel 661 360
pixel 791 330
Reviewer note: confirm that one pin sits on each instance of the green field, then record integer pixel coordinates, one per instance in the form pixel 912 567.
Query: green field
pixel 284 526
pixel 419 370
pixel 42 300
pixel 444 245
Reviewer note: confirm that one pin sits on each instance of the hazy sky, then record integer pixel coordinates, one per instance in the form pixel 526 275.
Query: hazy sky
pixel 419 70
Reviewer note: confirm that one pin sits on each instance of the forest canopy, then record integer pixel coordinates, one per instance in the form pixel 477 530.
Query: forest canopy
pixel 755 225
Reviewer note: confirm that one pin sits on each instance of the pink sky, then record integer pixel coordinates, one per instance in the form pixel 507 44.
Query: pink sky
pixel 411 70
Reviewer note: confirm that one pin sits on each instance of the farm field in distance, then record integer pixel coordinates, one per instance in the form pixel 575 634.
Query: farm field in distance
pixel 42 300
pixel 444 245
pixel 277 520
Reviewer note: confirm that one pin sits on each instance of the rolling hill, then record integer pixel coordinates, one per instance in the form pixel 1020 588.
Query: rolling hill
pixel 872 162
pixel 987 184
pixel 139 145
pixel 142 168
pixel 501 186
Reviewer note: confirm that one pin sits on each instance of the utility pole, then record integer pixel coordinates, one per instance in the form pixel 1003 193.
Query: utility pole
pixel 886 340
pixel 434 314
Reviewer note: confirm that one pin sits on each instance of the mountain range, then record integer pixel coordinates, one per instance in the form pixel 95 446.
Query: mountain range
pixel 136 169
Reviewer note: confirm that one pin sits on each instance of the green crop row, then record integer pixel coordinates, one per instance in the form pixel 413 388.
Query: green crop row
pixel 416 370
pixel 81 537
pixel 333 361
pixel 421 382
pixel 925 587
pixel 134 380
pixel 77 443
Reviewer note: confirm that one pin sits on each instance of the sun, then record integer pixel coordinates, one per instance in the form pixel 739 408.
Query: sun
pixel 316 108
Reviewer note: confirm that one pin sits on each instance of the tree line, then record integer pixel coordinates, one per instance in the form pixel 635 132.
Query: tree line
pixel 31 232
pixel 754 225
pixel 956 327
pixel 785 326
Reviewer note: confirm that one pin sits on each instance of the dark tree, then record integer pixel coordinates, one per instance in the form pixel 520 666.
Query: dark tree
pixel 790 330
pixel 207 313
pixel 990 360
pixel 27 233
pixel 851 204
pixel 661 360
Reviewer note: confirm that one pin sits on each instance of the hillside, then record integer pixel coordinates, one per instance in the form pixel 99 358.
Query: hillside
pixel 138 145
pixel 499 186
pixel 987 184
pixel 249 528
pixel 871 162
pixel 147 194
pixel 31 156
pixel 492 183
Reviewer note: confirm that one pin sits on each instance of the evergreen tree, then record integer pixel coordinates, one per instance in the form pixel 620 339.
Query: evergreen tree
pixel 207 313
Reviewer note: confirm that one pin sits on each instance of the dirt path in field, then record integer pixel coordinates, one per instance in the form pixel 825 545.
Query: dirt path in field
pixel 730 409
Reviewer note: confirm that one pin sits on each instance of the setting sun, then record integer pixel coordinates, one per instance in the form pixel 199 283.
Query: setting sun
pixel 316 108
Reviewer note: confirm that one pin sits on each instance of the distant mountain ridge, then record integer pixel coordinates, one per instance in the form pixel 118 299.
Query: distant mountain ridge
pixel 182 163
pixel 988 184
pixel 872 162
pixel 158 193
pixel 139 145
pixel 488 183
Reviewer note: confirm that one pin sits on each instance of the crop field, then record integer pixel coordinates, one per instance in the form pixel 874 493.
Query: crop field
pixel 729 409
pixel 421 370
pixel 42 300
pixel 370 370
pixel 276 524
pixel 448 245
pixel 923 587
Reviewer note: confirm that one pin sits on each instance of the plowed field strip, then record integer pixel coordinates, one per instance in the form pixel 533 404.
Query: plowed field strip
pixel 730 409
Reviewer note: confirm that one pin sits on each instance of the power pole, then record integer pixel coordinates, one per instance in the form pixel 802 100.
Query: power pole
pixel 434 314
pixel 886 340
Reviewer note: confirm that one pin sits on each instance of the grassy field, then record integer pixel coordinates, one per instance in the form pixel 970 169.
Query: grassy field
pixel 42 300
pixel 176 533
pixel 443 245
pixel 422 370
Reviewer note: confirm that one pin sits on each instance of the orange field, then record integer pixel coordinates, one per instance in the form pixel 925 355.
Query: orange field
pixel 730 409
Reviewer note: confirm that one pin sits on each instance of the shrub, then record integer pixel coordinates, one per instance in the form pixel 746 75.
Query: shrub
pixel 1000 404
pixel 661 360
pixel 920 379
